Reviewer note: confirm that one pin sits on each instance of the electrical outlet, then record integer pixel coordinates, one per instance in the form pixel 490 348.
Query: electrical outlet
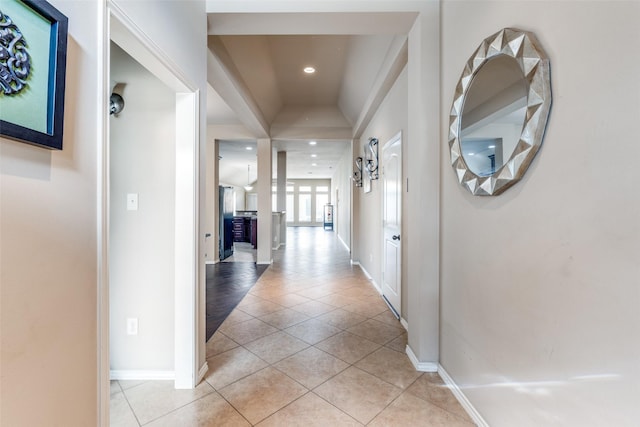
pixel 132 326
pixel 132 201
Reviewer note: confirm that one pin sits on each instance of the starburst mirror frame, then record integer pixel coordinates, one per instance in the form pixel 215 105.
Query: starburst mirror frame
pixel 524 48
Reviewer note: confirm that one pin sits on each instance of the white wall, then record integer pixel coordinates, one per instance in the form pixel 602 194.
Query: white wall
pixel 241 195
pixel 342 183
pixel 539 286
pixel 390 119
pixel 142 242
pixel 48 252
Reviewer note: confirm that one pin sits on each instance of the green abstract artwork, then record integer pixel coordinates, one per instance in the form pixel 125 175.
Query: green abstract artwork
pixel 25 44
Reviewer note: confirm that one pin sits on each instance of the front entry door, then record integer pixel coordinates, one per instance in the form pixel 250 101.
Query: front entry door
pixel 391 221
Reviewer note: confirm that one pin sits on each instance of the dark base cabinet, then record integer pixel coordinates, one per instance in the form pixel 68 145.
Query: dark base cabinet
pixel 238 229
pixel 254 232
pixel 245 229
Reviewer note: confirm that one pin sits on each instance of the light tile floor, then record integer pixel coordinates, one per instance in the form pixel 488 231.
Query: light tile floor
pixel 312 344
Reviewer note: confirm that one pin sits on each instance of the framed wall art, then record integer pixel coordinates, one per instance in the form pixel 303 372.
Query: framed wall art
pixel 33 55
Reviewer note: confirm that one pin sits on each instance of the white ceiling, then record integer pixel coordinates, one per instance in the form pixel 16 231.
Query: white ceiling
pixel 263 85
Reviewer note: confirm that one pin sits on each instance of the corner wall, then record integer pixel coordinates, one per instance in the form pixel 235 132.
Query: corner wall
pixel 48 251
pixel 539 286
pixel 142 242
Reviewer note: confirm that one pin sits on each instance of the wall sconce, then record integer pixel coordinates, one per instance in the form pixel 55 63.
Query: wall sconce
pixel 371 158
pixel 357 174
pixel 116 102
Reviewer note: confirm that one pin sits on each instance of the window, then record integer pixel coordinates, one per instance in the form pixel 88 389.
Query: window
pixel 290 217
pixel 304 207
pixel 322 189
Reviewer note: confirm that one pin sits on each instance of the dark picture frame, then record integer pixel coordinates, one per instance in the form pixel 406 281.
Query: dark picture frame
pixel 49 133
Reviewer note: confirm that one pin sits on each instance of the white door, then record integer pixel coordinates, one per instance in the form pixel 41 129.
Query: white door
pixel 391 221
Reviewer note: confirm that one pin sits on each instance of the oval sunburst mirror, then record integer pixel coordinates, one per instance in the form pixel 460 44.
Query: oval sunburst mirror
pixel 500 112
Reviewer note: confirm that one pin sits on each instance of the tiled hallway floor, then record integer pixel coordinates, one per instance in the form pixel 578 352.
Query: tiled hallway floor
pixel 312 344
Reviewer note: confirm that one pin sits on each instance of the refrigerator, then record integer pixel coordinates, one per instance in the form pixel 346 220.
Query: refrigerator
pixel 226 221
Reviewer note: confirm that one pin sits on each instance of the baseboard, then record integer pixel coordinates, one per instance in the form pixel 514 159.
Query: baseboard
pixel 391 307
pixel 142 375
pixel 364 270
pixel 366 273
pixel 404 324
pixel 343 243
pixel 421 366
pixel 212 262
pixel 471 410
pixel 202 372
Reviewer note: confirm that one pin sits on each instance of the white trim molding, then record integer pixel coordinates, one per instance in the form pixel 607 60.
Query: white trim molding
pixel 142 375
pixel 343 243
pixel 366 273
pixel 421 366
pixel 202 372
pixel 404 324
pixel 471 410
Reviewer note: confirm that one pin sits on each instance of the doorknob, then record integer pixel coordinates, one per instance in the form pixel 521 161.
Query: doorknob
pixel 396 237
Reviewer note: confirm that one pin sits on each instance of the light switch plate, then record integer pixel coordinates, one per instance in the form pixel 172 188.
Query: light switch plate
pixel 132 326
pixel 132 201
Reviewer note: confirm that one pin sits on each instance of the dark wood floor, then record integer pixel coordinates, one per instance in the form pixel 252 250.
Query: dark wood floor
pixel 310 251
pixel 227 284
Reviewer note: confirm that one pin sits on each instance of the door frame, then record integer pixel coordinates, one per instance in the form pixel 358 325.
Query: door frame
pixel 119 27
pixel 396 310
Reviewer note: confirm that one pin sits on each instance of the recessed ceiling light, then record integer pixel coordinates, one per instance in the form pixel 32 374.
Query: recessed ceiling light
pixel 309 70
pixel 314 164
pixel 314 155
pixel 312 143
pixel 249 148
pixel 492 146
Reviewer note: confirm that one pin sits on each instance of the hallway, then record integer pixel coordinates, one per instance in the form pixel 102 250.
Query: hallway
pixel 311 344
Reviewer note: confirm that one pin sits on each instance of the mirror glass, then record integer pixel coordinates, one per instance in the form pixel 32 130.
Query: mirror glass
pixel 493 115
pixel 499 112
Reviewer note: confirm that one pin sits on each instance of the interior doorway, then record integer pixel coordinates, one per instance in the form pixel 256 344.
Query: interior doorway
pixel 179 227
pixel 392 223
pixel 235 190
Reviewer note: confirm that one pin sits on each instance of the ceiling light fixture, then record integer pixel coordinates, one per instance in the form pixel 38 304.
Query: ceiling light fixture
pixel 248 187
pixel 309 70
pixel 314 155
pixel 314 164
pixel 312 143
pixel 249 148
